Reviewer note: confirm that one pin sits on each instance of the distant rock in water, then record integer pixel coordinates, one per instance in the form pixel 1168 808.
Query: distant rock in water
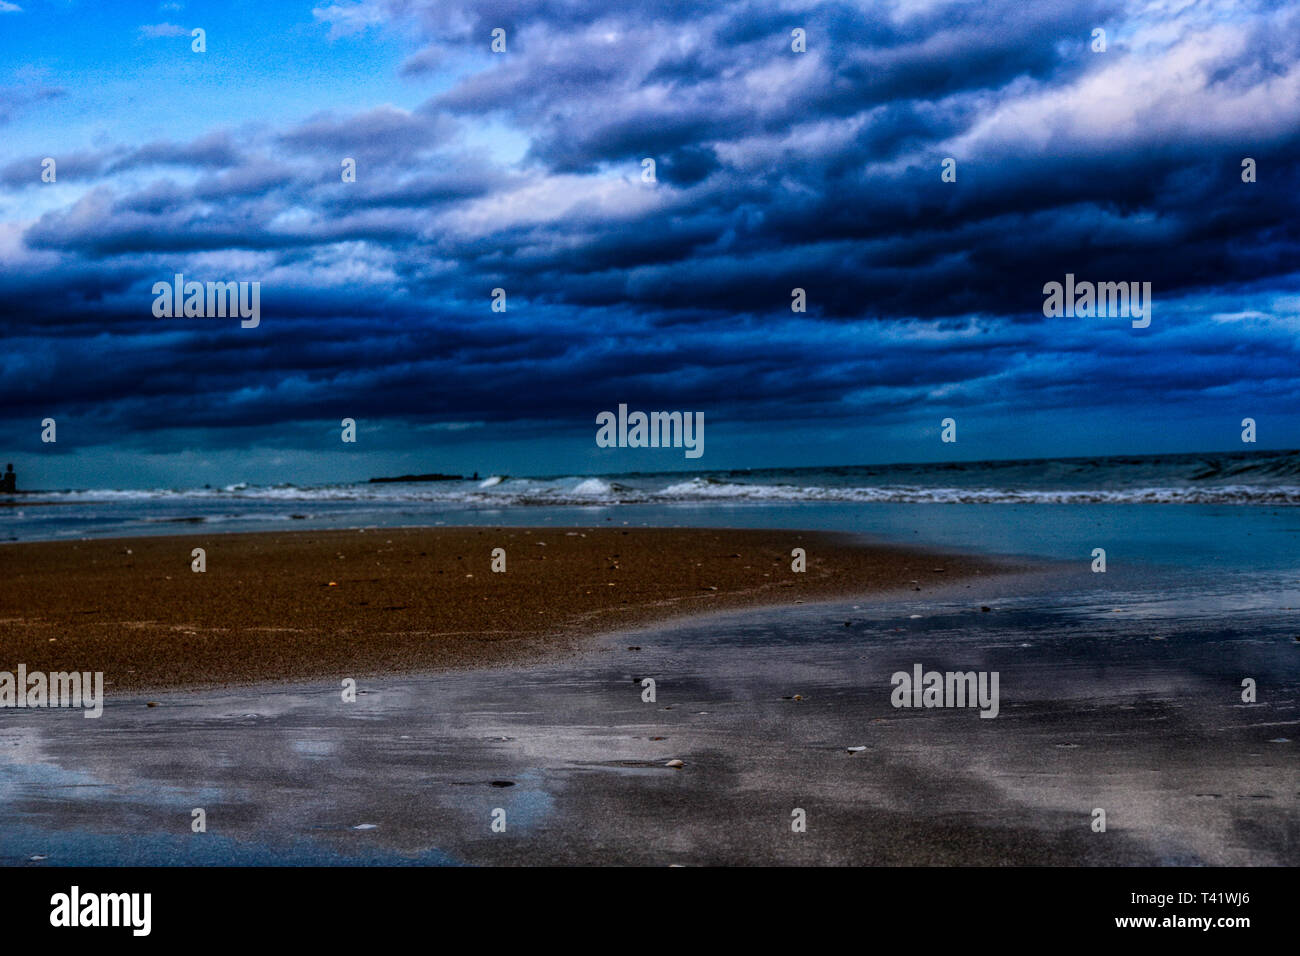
pixel 433 477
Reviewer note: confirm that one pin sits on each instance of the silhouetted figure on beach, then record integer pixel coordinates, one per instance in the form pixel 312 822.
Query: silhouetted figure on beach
pixel 8 481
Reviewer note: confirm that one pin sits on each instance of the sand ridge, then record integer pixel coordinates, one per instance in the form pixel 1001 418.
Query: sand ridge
pixel 329 604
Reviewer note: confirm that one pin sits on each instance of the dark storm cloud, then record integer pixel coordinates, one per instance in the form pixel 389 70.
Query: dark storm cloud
pixel 775 170
pixel 578 87
pixel 214 151
pixel 386 133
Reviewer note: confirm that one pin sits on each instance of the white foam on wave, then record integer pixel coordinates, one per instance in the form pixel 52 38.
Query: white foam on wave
pixel 592 487
pixel 700 490
pixel 497 491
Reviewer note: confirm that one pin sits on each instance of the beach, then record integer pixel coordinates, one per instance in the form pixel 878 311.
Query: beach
pixel 771 711
pixel 522 695
pixel 307 605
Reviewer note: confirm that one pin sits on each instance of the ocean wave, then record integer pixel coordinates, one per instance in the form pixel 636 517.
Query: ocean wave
pixel 604 491
pixel 905 494
pixel 592 487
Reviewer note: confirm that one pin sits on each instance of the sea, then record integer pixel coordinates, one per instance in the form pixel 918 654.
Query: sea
pixel 859 497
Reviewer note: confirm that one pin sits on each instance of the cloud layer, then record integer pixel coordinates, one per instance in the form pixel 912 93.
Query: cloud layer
pixel 775 169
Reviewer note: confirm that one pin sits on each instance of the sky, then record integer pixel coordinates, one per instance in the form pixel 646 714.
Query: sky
pixel 774 169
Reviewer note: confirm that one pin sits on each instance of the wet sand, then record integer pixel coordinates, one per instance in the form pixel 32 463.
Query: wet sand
pixel 1144 721
pixel 301 606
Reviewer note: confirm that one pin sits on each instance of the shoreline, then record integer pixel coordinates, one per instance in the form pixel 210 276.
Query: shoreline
pixel 290 607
